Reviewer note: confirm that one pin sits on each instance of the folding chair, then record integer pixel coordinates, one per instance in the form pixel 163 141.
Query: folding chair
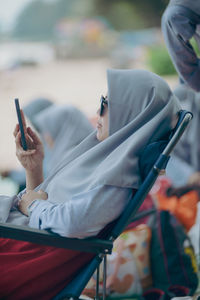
pixel 103 247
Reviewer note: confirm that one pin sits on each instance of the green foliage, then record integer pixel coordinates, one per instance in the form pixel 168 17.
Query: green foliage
pixel 160 61
pixel 195 46
pixel 127 14
pixel 35 20
pixel 149 11
pixel 38 19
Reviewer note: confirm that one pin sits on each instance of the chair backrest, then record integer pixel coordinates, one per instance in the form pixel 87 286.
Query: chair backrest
pixel 158 162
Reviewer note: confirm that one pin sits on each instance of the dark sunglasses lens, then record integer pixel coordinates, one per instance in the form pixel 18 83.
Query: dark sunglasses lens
pixel 102 106
pixel 101 109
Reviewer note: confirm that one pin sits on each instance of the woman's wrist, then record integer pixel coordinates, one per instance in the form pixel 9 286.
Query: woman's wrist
pixel 31 206
pixel 34 178
pixel 29 198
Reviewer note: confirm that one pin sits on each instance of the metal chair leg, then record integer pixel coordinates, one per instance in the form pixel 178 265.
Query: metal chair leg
pixel 104 276
pixel 97 285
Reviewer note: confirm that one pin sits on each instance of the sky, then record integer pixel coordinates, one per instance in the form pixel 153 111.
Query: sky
pixel 9 10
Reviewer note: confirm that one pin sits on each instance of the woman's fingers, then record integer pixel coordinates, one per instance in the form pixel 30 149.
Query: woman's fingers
pixel 19 147
pixel 16 130
pixel 18 140
pixel 23 120
pixel 28 152
pixel 43 194
pixel 34 136
pixel 29 140
pixel 31 195
pixel 31 137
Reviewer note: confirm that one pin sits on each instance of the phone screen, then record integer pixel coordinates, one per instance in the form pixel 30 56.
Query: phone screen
pixel 21 128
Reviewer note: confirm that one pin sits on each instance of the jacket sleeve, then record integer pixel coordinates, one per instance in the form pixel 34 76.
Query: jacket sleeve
pixel 178 28
pixel 83 215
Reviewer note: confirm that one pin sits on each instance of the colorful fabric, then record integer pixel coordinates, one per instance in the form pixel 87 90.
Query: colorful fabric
pixel 184 208
pixel 128 268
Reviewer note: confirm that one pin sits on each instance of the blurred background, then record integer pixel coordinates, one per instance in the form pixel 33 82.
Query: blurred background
pixel 60 49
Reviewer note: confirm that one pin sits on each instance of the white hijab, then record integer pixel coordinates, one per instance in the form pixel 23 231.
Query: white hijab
pixel 141 109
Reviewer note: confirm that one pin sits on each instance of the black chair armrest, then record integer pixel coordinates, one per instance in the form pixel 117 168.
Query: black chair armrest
pixel 47 238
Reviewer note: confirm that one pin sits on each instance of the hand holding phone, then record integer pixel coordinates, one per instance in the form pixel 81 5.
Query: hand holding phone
pixel 21 127
pixel 32 158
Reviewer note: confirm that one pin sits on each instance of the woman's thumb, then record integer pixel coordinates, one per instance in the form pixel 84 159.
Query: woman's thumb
pixel 43 194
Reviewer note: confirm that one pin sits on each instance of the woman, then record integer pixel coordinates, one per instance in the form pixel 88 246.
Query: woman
pixel 181 22
pixel 90 187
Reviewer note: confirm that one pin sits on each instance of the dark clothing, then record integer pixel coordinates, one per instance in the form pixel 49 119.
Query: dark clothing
pixel 194 5
pixel 179 25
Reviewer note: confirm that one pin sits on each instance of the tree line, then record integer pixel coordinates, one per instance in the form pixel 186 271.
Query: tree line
pixel 38 18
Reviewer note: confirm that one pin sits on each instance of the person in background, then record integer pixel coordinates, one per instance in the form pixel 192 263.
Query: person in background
pixel 181 22
pixel 185 159
pixel 35 106
pixel 61 127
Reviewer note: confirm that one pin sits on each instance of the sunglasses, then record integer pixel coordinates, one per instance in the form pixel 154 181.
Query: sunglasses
pixel 103 102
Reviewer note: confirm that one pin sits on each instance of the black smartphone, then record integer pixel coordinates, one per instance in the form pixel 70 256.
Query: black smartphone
pixel 21 127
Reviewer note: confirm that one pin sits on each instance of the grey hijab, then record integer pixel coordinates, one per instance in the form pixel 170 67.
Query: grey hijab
pixel 188 148
pixel 66 125
pixel 141 109
pixel 35 106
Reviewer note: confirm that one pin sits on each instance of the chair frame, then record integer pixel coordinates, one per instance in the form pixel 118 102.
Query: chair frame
pixel 94 245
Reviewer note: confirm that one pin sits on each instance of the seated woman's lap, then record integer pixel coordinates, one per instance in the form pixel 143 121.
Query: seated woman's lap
pixel 30 271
